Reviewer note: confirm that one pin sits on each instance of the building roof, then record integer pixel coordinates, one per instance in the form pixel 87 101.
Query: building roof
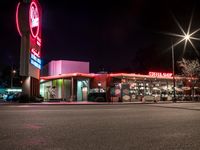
pixel 113 75
pixel 68 75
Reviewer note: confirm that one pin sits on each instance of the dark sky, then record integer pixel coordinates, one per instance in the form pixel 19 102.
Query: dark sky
pixel 119 36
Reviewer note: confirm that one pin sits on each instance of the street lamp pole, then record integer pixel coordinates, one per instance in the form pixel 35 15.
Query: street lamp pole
pixel 186 37
pixel 173 73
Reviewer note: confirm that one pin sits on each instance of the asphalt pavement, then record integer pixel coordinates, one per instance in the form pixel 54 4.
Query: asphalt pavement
pixel 100 127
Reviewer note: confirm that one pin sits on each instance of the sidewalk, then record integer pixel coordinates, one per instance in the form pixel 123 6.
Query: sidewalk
pixel 167 103
pixel 74 103
pixel 180 105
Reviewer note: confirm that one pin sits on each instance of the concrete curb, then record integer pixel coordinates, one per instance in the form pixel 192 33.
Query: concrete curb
pixel 94 103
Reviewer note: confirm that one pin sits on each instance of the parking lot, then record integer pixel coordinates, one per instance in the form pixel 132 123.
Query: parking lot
pixel 117 127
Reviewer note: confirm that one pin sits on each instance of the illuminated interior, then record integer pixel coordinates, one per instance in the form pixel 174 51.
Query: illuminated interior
pixel 118 87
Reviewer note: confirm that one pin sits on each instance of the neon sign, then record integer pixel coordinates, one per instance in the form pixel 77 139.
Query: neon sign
pixel 35 61
pixel 35 52
pixel 160 74
pixel 17 21
pixel 34 19
pixel 39 41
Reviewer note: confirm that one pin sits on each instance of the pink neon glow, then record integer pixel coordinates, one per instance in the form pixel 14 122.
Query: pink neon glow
pixel 133 75
pixel 34 19
pixel 160 74
pixel 90 75
pixel 17 19
pixel 39 39
pixel 35 53
pixel 67 76
pixel 38 43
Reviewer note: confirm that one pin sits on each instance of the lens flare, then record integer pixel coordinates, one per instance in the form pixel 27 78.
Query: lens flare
pixel 186 36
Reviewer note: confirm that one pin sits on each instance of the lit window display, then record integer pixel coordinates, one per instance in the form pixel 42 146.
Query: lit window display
pixel 117 87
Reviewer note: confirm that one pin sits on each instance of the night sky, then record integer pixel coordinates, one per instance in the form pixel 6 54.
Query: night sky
pixel 114 36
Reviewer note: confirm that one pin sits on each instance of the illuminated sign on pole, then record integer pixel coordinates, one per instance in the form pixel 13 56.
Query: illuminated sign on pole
pixel 17 19
pixel 35 61
pixel 29 26
pixel 160 74
pixel 34 19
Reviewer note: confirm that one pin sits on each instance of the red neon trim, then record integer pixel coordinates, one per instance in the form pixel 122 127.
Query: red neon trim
pixel 39 39
pixel 132 75
pixel 38 43
pixel 35 53
pixel 17 19
pixel 38 28
pixel 67 76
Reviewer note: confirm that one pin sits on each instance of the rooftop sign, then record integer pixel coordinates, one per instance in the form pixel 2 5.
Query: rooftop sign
pixel 160 74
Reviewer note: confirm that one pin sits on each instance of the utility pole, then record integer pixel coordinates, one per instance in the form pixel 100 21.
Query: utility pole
pixel 173 72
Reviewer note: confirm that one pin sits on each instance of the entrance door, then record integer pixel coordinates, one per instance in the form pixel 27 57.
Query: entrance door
pixel 84 93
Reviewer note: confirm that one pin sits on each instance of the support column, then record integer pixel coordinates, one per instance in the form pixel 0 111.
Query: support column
pixel 63 90
pixel 72 89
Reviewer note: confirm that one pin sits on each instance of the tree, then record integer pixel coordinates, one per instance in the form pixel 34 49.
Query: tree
pixel 191 69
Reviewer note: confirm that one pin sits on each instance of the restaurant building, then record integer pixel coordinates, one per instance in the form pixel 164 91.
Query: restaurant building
pixel 71 81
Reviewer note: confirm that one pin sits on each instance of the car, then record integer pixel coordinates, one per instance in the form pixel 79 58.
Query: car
pixel 1 96
pixel 5 95
pixel 97 97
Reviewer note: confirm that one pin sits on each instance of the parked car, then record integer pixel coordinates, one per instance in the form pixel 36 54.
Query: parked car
pixel 5 95
pixel 1 96
pixel 97 97
pixel 12 97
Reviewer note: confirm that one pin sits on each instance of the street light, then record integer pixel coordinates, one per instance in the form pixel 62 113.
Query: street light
pixel 185 37
pixel 13 72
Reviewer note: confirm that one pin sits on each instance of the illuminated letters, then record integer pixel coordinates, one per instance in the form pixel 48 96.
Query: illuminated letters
pixel 36 61
pixel 34 19
pixel 160 74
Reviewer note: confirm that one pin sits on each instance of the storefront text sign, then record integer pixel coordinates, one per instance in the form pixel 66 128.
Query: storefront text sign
pixel 160 74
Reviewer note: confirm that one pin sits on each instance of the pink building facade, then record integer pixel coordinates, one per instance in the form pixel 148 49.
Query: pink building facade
pixel 58 67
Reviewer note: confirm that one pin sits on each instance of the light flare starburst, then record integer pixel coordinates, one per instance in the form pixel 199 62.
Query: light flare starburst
pixel 185 36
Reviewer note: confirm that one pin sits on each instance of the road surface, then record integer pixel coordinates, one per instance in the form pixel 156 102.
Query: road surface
pixel 100 127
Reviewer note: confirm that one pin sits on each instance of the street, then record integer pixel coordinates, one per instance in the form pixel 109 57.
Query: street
pixel 100 127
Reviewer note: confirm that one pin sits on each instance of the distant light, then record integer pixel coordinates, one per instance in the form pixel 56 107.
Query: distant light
pixel 14 90
pixel 99 84
pixel 14 71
